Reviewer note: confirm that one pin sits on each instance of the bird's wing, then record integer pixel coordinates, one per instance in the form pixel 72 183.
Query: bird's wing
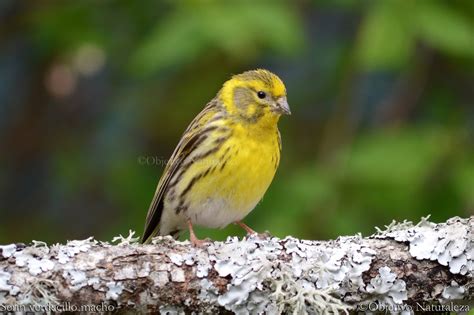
pixel 189 141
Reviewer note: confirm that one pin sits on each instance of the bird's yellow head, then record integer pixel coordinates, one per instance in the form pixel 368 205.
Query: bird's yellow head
pixel 255 96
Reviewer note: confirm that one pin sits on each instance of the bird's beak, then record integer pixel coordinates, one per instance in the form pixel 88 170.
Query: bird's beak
pixel 282 106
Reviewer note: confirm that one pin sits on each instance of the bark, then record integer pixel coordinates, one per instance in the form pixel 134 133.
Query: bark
pixel 403 267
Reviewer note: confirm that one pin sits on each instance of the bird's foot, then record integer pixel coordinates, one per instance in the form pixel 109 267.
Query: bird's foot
pixel 262 236
pixel 194 240
pixel 251 232
pixel 197 242
pixel 245 227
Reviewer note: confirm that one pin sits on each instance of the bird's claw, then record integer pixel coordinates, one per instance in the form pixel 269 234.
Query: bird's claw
pixel 198 243
pixel 261 236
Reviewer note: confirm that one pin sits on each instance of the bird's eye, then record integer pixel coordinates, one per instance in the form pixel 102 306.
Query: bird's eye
pixel 261 94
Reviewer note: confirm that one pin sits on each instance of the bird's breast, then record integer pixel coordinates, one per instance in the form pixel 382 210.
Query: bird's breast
pixel 247 168
pixel 236 178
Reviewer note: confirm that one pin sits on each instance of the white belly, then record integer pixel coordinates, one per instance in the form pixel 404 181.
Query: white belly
pixel 216 213
pixel 213 213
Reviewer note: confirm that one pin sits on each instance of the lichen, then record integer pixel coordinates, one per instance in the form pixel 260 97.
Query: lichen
pixel 5 287
pixel 94 282
pixel 40 244
pixel 66 252
pixel 177 275
pixel 121 240
pixel 27 258
pixel 202 269
pixel 453 292
pixel 387 288
pixel 40 292
pixel 256 271
pixel 114 290
pixel 249 264
pixel 176 258
pixel 303 297
pixel 7 250
pixel 78 279
pixel 208 293
pixel 160 278
pixel 450 244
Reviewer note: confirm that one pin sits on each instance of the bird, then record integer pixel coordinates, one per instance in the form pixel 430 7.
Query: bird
pixel 225 160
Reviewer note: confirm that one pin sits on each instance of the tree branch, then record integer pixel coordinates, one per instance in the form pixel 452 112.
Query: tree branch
pixel 403 267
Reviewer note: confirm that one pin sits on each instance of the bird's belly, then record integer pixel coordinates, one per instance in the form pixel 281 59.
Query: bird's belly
pixel 215 213
pixel 233 190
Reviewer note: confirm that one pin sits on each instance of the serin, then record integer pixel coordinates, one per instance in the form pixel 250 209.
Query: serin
pixel 225 160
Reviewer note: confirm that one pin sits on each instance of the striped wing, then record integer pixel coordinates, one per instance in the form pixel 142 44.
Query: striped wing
pixel 189 141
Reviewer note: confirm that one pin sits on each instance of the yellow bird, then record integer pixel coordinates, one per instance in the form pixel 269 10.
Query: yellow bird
pixel 225 160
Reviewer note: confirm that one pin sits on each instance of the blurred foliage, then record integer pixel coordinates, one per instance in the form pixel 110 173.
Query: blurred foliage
pixel 391 29
pixel 238 29
pixel 95 95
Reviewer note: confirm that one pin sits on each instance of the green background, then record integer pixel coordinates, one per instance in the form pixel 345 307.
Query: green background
pixel 94 95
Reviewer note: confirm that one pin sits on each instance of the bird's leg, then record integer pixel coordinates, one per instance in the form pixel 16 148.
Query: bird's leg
pixel 252 232
pixel 246 227
pixel 194 240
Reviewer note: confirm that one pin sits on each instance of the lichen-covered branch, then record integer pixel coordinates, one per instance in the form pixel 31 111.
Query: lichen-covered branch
pixel 400 266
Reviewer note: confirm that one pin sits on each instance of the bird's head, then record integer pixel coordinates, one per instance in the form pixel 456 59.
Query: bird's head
pixel 255 95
